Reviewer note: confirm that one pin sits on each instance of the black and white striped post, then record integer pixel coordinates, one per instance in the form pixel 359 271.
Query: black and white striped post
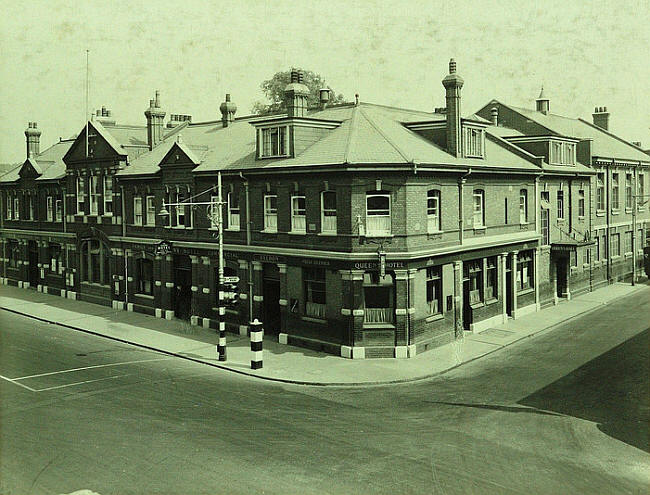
pixel 221 346
pixel 257 336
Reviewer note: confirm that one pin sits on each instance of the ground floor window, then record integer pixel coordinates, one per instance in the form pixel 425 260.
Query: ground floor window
pixel 434 290
pixel 378 293
pixel 145 276
pixel 13 253
pixel 525 273
pixel 95 262
pixel 474 276
pixel 314 282
pixel 55 255
pixel 628 242
pixel 615 248
pixel 491 279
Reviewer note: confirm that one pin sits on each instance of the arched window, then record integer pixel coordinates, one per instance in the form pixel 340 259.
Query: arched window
pixel 433 211
pixel 95 262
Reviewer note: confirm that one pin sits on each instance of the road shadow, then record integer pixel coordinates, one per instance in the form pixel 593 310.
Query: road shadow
pixel 497 407
pixel 611 390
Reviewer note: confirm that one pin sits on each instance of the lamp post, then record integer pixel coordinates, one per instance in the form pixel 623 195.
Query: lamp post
pixel 216 217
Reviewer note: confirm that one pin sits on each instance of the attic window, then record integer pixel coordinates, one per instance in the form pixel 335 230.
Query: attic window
pixel 273 142
pixel 562 153
pixel 474 142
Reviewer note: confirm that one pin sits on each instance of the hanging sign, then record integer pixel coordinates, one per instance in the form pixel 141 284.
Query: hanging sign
pixel 163 248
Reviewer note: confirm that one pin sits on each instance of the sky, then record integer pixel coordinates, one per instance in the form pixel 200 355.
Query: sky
pixel 584 53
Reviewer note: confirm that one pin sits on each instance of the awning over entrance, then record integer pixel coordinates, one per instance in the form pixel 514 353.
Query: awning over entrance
pixel 569 246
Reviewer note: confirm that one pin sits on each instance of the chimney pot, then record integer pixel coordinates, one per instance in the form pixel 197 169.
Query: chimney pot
pixel 227 96
pixel 601 118
pixel 294 75
pixel 494 112
pixel 452 66
pixel 157 99
pixel 453 84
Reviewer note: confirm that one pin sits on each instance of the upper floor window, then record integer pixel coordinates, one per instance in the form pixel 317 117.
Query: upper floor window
pixel 151 211
pixel 474 142
pixel 137 210
pixel 629 200
pixel 29 213
pixel 274 141
pixel 328 212
pixel 615 197
pixel 433 211
pixel 560 205
pixel 16 208
pixel 81 194
pixel 315 302
pixel 562 153
pixel 10 210
pixel 434 290
pixel 233 211
pixel 523 206
pixel 58 210
pixel 478 208
pixel 378 214
pixel 298 218
pixel 640 186
pixel 94 195
pixel 213 212
pixel 543 218
pixel 581 203
pixel 108 195
pixel 271 213
pixel 600 192
pixel 50 209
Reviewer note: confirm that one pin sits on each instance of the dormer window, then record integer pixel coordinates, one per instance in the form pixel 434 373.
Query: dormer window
pixel 474 142
pixel 274 142
pixel 562 153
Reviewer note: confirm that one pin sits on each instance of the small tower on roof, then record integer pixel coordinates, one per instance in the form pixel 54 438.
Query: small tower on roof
pixel 155 116
pixel 542 102
pixel 296 94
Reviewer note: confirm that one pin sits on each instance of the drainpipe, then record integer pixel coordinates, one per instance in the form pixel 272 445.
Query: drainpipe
pixel 608 173
pixel 461 214
pixel 248 243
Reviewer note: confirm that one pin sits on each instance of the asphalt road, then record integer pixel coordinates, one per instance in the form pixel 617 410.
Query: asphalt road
pixel 564 412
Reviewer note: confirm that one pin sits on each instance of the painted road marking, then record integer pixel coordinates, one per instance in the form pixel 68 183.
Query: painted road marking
pixel 19 384
pixel 88 368
pixel 78 383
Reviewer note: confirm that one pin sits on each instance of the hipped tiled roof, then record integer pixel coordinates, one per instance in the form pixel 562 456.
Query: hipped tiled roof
pixel 49 163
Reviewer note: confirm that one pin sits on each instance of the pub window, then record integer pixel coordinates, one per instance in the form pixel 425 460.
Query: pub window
pixel 151 211
pixel 50 208
pixel 600 192
pixel 94 195
pixel 58 210
pixel 615 198
pixel 378 294
pixel 298 219
pixel 474 276
pixel 108 195
pixel 145 276
pixel 491 288
pixel 95 260
pixel 433 211
pixel 479 208
pixel 314 282
pixel 81 194
pixel 233 211
pixel 55 255
pixel 13 251
pixel 328 212
pixel 137 210
pixel 523 206
pixel 628 192
pixel 378 214
pixel 525 271
pixel 271 213
pixel 581 203
pixel 434 290
pixel 274 142
pixel 560 205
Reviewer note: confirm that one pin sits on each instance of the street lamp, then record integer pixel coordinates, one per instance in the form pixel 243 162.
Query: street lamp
pixel 216 217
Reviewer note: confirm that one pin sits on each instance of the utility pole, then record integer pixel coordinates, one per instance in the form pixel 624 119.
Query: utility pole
pixel 221 347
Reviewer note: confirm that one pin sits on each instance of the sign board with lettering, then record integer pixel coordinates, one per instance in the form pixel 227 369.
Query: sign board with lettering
pixel 163 248
pixel 230 280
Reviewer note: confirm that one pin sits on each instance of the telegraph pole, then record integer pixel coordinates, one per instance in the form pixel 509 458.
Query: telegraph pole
pixel 221 347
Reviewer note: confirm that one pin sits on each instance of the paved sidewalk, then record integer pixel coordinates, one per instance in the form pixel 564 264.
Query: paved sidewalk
pixel 287 363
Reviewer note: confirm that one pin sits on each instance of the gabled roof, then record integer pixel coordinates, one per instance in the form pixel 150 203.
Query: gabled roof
pixel 49 163
pixel 604 143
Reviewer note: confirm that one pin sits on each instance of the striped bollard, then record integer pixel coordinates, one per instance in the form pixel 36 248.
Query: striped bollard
pixel 221 346
pixel 257 334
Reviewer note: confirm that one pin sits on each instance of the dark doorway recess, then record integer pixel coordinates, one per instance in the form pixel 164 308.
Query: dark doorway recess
pixel 32 274
pixel 182 293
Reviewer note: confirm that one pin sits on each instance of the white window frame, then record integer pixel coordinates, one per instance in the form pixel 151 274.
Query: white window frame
pixel 266 141
pixel 181 211
pixel 379 222
pixel 433 275
pixel 328 220
pixel 270 213
pixel 30 207
pixel 434 219
pixel 523 206
pixel 81 194
pixel 581 203
pixel 616 197
pixel 16 208
pixel 151 211
pixel 107 185
pixel 600 191
pixel 137 210
pixel 560 204
pixel 50 209
pixel 478 208
pixel 298 214
pixel 234 217
pixel 629 200
pixel 640 187
pixel 94 195
pixel 10 209
pixel 58 210
pixel 474 142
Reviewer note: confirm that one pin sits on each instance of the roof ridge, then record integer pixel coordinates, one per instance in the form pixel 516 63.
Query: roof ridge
pixel 517 109
pixel 348 145
pixel 395 108
pixel 610 134
pixel 388 140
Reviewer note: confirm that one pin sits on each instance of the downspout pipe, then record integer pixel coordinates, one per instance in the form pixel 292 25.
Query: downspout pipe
pixel 248 243
pixel 461 207
pixel 126 261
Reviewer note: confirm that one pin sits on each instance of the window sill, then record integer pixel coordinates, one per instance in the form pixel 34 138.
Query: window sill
pixel 297 232
pixel 146 296
pixel 377 326
pixel 523 292
pixel 269 231
pixel 314 320
pixel 491 301
pixel 481 228
pixel 378 234
pixel 436 317
pixel 524 223
pixel 477 305
pixel 561 220
pixel 230 229
pixel 628 210
pixel 600 213
pixel 613 258
pixel 616 212
pixel 628 255
pixel 581 218
pixel 327 234
pixel 95 284
pixel 265 157
pixel 434 232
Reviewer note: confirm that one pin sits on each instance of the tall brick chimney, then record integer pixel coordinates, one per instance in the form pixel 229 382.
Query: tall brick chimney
pixel 295 95
pixel 227 109
pixel 542 102
pixel 601 117
pixel 155 116
pixel 33 136
pixel 453 84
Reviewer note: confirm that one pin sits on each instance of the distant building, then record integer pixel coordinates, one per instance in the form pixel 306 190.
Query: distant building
pixel 361 230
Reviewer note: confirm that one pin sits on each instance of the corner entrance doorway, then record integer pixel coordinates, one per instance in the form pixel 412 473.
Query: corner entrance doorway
pixel 561 275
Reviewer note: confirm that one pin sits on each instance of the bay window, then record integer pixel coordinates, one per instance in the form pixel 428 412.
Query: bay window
pixel 16 208
pixel 378 221
pixel 81 194
pixel 94 195
pixel 9 212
